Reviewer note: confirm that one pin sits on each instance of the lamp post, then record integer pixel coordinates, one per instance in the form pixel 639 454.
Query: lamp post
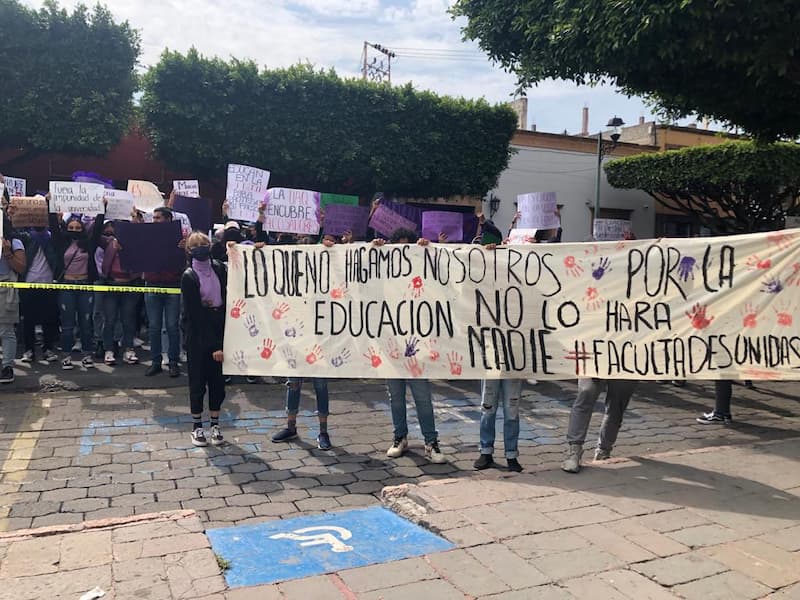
pixel 602 149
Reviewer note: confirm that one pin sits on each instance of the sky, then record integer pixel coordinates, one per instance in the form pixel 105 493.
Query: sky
pixel 331 33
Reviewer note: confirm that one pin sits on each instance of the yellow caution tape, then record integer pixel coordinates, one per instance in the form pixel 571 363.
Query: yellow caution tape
pixel 89 288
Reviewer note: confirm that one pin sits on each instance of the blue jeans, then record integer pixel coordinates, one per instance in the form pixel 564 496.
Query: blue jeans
pixel 8 337
pixel 82 303
pixel 293 395
pixel 421 391
pixel 164 310
pixel 124 304
pixel 493 392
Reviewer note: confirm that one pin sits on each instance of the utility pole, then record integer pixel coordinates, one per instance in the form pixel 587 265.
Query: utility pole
pixel 377 68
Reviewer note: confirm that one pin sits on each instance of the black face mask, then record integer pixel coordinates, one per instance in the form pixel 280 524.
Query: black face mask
pixel 75 235
pixel 201 253
pixel 232 235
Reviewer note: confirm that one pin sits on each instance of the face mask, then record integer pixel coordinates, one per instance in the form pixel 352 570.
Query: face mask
pixel 201 253
pixel 75 235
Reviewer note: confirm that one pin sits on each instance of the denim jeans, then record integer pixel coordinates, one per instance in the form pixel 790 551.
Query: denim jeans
pixel 493 393
pixel 124 304
pixel 421 391
pixel 618 395
pixel 82 303
pixel 164 309
pixel 8 337
pixel 98 317
pixel 293 395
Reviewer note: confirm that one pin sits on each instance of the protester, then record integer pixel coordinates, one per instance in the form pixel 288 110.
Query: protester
pixel 494 392
pixel 294 385
pixel 203 287
pixel 12 264
pixel 721 415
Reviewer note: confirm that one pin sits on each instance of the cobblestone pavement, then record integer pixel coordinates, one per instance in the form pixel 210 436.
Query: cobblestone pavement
pixel 67 457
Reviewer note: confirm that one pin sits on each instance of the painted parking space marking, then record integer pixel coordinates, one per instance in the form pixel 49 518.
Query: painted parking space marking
pixel 306 546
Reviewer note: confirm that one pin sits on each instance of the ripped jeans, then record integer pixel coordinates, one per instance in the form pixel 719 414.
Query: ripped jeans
pixel 493 392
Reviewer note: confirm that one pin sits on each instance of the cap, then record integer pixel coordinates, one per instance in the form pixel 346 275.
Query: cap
pixel 231 225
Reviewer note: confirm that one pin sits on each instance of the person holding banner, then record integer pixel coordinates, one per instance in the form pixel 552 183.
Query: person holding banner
pixel 12 264
pixel 203 289
pixel 721 415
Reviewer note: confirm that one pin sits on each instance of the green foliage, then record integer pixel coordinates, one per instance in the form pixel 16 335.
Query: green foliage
pixel 312 129
pixel 733 187
pixel 68 79
pixel 736 61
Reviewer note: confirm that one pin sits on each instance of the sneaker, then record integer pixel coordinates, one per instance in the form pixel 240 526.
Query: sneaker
pixel 50 356
pixel 66 364
pixel 199 437
pixel 398 448
pixel 601 454
pixel 513 465
pixel 679 382
pixel 572 464
pixel 77 346
pixel 7 375
pixel 484 462
pixel 251 379
pixel 712 418
pixel 138 342
pixel 153 369
pixel 749 384
pixel 130 357
pixel 216 436
pixel 324 441
pixel 174 370
pixel 433 454
pixel 284 435
pixel 109 358
pixel 87 362
pixel 532 381
pixel 27 357
pixel 228 379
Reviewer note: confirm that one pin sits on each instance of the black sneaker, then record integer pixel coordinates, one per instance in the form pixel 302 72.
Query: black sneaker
pixel 484 462
pixel 513 465
pixel 153 369
pixel 174 370
pixel 252 380
pixel 324 441
pixel 714 418
pixel 7 375
pixel 199 437
pixel 284 435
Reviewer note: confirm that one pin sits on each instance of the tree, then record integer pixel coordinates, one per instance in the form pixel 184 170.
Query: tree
pixel 68 79
pixel 315 130
pixel 737 187
pixel 736 61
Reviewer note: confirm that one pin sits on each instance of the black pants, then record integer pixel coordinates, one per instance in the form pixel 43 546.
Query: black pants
pixel 204 372
pixel 39 307
pixel 723 390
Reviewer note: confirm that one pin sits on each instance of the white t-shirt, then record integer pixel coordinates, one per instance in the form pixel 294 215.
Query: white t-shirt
pixel 15 246
pixel 39 271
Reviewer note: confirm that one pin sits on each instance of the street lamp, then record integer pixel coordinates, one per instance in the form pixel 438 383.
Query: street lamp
pixel 602 149
pixel 494 205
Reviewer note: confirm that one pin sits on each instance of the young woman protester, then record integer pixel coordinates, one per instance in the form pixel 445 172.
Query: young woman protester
pixel 12 263
pixel 74 244
pixel 203 287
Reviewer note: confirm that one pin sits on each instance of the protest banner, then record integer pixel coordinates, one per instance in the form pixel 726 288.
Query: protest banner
pixel 16 185
pixel 198 211
pixel 521 236
pixel 246 190
pixel 341 218
pixel 28 211
pixel 89 177
pixel 146 196
pixel 119 205
pixel 189 188
pixel 538 211
pixel 699 308
pixel 385 221
pixel 327 199
pixel 76 197
pixel 449 223
pixel 150 246
pixel 292 211
pixel 608 230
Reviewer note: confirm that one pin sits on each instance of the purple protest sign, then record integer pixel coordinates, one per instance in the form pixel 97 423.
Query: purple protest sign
pixel 340 218
pixel 197 209
pixel 412 213
pixel 449 223
pixel 385 221
pixel 150 247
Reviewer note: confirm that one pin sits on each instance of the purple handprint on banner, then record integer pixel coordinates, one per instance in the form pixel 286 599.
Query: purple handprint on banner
pixel 686 267
pixel 772 286
pixel 411 347
pixel 600 268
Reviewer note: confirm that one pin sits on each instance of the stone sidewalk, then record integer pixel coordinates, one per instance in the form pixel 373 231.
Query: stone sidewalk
pixel 698 524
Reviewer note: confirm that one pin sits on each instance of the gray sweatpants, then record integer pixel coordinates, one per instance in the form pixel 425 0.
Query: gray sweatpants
pixel 618 394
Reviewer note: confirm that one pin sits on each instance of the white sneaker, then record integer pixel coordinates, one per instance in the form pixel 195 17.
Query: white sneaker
pixel 27 357
pixel 532 381
pixel 216 436
pixel 130 357
pixel 433 454
pixel 138 342
pixel 50 356
pixel 77 346
pixel 199 437
pixel 398 448
pixel 572 463
pixel 109 358
pixel 66 364
pixel 87 362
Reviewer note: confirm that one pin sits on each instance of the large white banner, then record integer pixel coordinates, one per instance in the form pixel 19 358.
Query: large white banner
pixel 711 308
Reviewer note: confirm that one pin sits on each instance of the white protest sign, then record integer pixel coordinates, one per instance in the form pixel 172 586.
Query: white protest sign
pixel 245 192
pixel 119 205
pixel 538 210
pixel 190 188
pixel 186 223
pixel 146 196
pixel 521 236
pixel 609 230
pixel 16 185
pixel 699 308
pixel 76 197
pixel 292 211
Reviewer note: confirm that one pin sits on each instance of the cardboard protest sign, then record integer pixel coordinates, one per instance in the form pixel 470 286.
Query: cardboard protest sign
pixel 197 209
pixel 538 211
pixel 341 218
pixel 189 188
pixel 247 187
pixel 327 199
pixel 385 221
pixel 76 197
pixel 607 230
pixel 521 236
pixel 28 211
pixel 146 196
pixel 292 211
pixel 150 247
pixel 16 185
pixel 119 205
pixel 450 223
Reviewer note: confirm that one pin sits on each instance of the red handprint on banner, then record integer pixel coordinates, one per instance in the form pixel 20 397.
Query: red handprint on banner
pixel 279 311
pixel 416 286
pixel 238 309
pixel 339 292
pixel 749 316
pixel 413 367
pixel 267 348
pixel 573 266
pixel 698 316
pixel 373 357
pixel 314 354
pixel 455 360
